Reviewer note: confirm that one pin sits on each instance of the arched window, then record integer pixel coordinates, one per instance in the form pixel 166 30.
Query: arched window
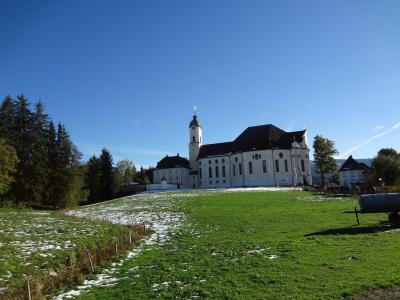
pixel 276 165
pixel 216 172
pixel 240 169
pixel 302 165
pixel 264 166
pixel 209 172
pixel 223 171
pixel 234 170
pixel 250 167
pixel 193 139
pixel 286 166
pixel 200 173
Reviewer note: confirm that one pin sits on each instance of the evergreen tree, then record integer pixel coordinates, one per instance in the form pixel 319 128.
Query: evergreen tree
pixel 50 197
pixel 7 120
pixel 23 184
pixel 107 175
pixel 38 160
pixel 92 179
pixel 324 150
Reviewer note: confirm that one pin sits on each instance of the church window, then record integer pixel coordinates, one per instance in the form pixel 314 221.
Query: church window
pixel 223 171
pixel 193 139
pixel 280 154
pixel 240 169
pixel 217 181
pixel 200 173
pixel 234 170
pixel 250 167
pixel 209 162
pixel 216 172
pixel 264 166
pixel 216 161
pixel 236 159
pixel 223 160
pixel 286 166
pixel 223 181
pixel 210 172
pixel 276 165
pixel 199 163
pixel 210 182
pixel 302 165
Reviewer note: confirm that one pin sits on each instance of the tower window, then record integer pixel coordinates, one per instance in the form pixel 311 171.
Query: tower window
pixel 240 169
pixel 209 172
pixel 264 166
pixel 216 161
pixel 234 170
pixel 216 172
pixel 200 173
pixel 223 171
pixel 276 165
pixel 302 165
pixel 193 139
pixel 250 167
pixel 286 166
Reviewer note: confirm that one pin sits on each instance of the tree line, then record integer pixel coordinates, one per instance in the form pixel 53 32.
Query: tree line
pixel 40 165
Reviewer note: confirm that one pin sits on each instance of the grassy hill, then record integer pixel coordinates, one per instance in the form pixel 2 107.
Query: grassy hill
pixel 248 245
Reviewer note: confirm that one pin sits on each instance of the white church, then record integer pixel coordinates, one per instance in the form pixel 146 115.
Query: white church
pixel 263 155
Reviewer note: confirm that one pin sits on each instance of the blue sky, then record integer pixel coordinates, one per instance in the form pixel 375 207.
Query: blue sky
pixel 125 75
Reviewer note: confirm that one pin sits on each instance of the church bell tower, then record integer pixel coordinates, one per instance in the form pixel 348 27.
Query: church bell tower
pixel 195 141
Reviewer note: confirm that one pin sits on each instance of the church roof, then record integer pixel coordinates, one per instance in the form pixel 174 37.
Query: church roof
pixel 195 122
pixel 173 162
pixel 254 138
pixel 352 164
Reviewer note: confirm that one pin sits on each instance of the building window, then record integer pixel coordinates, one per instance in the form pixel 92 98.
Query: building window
pixel 240 169
pixel 250 167
pixel 276 165
pixel 236 159
pixel 209 172
pixel 193 139
pixel 234 170
pixel 216 172
pixel 280 154
pixel 200 173
pixel 223 160
pixel 223 181
pixel 216 161
pixel 217 181
pixel 209 162
pixel 223 171
pixel 264 166
pixel 199 163
pixel 286 166
pixel 302 165
pixel 210 182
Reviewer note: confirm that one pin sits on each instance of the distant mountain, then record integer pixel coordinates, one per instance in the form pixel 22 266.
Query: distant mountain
pixel 339 162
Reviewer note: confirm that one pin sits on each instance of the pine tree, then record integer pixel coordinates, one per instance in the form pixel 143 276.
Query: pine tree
pixel 38 160
pixel 92 179
pixel 50 197
pixel 107 175
pixel 7 120
pixel 23 184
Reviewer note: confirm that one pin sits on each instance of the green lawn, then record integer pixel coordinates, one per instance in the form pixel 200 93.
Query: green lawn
pixel 37 242
pixel 260 245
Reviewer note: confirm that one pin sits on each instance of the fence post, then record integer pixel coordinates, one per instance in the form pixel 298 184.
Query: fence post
pixel 28 288
pixel 90 260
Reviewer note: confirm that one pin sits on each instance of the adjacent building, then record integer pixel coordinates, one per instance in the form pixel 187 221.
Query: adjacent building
pixel 353 172
pixel 262 155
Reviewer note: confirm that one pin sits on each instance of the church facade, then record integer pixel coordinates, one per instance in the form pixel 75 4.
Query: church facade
pixel 262 155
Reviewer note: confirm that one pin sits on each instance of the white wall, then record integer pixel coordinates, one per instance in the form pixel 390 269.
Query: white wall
pixel 172 175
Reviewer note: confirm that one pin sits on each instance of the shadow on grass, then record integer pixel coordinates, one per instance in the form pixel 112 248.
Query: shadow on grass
pixel 353 230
